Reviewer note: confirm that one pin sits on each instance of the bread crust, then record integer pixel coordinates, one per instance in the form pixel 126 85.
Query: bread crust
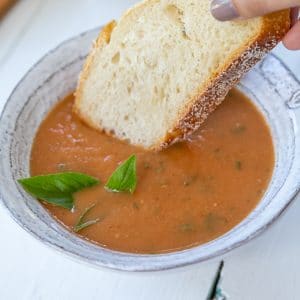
pixel 205 101
pixel 102 40
pixel 274 27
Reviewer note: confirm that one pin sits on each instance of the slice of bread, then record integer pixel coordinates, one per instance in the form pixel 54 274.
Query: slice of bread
pixel 155 76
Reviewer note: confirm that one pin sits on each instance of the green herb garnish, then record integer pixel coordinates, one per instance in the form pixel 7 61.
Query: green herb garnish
pixel 61 167
pixel 187 227
pixel 124 177
pixel 190 179
pixel 161 167
pixel 238 165
pixel 136 205
pixel 57 189
pixel 81 223
pixel 238 128
pixel 147 166
pixel 212 221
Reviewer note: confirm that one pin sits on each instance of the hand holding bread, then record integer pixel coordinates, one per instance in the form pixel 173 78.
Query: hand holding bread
pixel 225 10
pixel 155 76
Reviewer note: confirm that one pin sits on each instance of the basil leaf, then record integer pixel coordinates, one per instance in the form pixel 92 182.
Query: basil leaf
pixel 57 189
pixel 84 225
pixel 81 224
pixel 124 178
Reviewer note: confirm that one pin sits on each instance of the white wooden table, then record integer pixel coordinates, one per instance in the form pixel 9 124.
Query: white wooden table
pixel 266 268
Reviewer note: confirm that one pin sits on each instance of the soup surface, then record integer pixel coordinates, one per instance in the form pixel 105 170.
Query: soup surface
pixel 186 195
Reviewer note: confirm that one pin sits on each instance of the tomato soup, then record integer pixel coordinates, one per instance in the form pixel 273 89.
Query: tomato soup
pixel 187 195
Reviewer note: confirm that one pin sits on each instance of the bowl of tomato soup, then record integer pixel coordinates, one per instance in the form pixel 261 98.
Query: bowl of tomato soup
pixel 191 202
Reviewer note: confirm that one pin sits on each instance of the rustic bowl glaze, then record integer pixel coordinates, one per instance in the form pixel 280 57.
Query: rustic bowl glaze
pixel 270 85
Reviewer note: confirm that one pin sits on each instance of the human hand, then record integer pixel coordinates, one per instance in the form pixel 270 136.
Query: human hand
pixel 225 10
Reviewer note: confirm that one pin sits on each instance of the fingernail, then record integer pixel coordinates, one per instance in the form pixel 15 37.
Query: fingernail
pixel 224 10
pixel 295 16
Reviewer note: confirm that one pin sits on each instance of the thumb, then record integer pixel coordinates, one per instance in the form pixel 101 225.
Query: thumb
pixel 225 10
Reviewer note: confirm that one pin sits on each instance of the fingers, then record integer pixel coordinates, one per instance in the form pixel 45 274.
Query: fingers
pixel 294 15
pixel 224 10
pixel 292 38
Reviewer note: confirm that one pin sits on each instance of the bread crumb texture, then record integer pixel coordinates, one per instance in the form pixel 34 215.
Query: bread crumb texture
pixel 154 77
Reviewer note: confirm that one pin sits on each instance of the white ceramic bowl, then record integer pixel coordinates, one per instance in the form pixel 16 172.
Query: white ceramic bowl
pixel 270 85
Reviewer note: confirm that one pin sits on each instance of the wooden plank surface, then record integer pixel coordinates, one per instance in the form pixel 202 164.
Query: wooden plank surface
pixel 266 268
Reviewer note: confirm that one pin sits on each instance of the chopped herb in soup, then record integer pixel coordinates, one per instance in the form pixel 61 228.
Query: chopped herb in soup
pixel 143 202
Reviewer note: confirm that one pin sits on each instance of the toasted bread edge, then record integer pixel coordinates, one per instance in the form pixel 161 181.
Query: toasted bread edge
pixel 204 102
pixel 274 27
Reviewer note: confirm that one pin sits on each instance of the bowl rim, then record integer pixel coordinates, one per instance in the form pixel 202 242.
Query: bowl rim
pixel 121 267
